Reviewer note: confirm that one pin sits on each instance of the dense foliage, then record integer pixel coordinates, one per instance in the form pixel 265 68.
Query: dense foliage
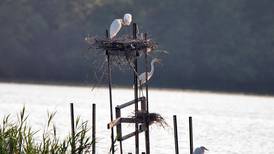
pixel 217 45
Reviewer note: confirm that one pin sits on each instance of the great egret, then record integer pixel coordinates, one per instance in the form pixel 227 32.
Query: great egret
pixel 117 24
pixel 142 77
pixel 200 150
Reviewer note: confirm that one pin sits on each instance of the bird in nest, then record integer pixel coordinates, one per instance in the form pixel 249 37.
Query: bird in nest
pixel 117 24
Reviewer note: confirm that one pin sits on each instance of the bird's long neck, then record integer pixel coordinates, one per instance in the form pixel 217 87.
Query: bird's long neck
pixel 152 67
pixel 122 22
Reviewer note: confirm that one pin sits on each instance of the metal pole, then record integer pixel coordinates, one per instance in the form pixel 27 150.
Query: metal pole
pixel 136 91
pixel 147 107
pixel 175 134
pixel 110 96
pixel 93 127
pixel 190 135
pixel 72 128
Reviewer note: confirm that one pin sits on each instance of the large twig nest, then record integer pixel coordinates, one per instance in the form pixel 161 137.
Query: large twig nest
pixel 152 118
pixel 122 44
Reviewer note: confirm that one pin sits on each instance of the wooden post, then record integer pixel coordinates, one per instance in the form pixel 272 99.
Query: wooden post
pixel 175 134
pixel 190 136
pixel 147 140
pixel 119 129
pixel 72 129
pixel 135 73
pixel 110 96
pixel 93 127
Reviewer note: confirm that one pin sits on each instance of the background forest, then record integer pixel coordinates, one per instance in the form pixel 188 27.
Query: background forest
pixel 224 45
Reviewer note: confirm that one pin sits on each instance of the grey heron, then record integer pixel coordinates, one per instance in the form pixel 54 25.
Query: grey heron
pixel 117 24
pixel 200 150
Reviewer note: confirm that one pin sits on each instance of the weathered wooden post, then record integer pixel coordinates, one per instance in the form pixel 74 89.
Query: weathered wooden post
pixel 93 128
pixel 119 129
pixel 147 140
pixel 190 136
pixel 110 95
pixel 175 134
pixel 135 73
pixel 72 129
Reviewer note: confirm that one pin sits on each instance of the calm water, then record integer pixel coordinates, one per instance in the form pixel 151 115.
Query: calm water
pixel 224 123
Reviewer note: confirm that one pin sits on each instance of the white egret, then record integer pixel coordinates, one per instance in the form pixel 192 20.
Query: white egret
pixel 200 150
pixel 117 24
pixel 142 77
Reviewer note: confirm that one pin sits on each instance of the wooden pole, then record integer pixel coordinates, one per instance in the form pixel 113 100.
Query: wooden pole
pixel 175 134
pixel 110 96
pixel 72 129
pixel 190 136
pixel 135 73
pixel 119 129
pixel 147 140
pixel 93 127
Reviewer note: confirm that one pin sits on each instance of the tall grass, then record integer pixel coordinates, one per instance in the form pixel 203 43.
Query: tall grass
pixel 17 137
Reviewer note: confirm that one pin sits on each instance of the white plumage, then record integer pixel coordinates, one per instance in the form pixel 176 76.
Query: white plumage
pixel 115 27
pixel 142 77
pixel 200 150
pixel 117 24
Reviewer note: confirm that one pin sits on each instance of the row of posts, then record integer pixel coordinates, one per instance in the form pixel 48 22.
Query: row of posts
pixel 94 131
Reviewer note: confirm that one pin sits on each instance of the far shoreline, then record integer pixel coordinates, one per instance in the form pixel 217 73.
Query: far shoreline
pixel 91 85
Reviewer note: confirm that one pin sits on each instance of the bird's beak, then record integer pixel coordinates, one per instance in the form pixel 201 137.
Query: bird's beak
pixel 206 149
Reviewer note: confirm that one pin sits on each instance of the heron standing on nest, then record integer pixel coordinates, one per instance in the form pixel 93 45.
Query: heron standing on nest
pixel 117 24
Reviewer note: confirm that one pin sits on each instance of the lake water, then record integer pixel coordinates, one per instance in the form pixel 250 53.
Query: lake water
pixel 224 123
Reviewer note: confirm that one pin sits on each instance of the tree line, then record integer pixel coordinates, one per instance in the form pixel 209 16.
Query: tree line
pixel 212 45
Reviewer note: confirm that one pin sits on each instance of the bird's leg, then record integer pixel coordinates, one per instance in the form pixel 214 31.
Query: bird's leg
pixel 141 91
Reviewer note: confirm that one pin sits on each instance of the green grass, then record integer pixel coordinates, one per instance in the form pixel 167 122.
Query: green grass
pixel 17 137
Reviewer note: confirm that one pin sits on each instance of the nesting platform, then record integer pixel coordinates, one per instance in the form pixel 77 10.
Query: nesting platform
pixel 123 46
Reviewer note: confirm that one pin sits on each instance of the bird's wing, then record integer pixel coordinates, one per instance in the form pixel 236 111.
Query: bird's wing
pixel 142 78
pixel 115 27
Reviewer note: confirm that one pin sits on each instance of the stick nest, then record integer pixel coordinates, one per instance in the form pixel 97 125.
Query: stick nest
pixel 153 118
pixel 121 44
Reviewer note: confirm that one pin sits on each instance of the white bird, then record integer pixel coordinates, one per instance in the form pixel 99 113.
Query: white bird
pixel 142 77
pixel 200 150
pixel 117 24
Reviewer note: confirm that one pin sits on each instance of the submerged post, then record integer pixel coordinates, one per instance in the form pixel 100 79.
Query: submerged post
pixel 147 141
pixel 110 96
pixel 190 136
pixel 93 127
pixel 135 73
pixel 72 128
pixel 175 134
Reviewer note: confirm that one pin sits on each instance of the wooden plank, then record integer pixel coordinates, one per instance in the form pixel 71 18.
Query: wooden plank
pixel 114 123
pixel 140 130
pixel 130 103
pixel 123 120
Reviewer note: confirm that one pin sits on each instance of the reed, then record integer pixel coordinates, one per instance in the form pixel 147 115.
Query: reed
pixel 18 137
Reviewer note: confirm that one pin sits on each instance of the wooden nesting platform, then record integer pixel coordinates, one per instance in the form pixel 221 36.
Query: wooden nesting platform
pixel 121 46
